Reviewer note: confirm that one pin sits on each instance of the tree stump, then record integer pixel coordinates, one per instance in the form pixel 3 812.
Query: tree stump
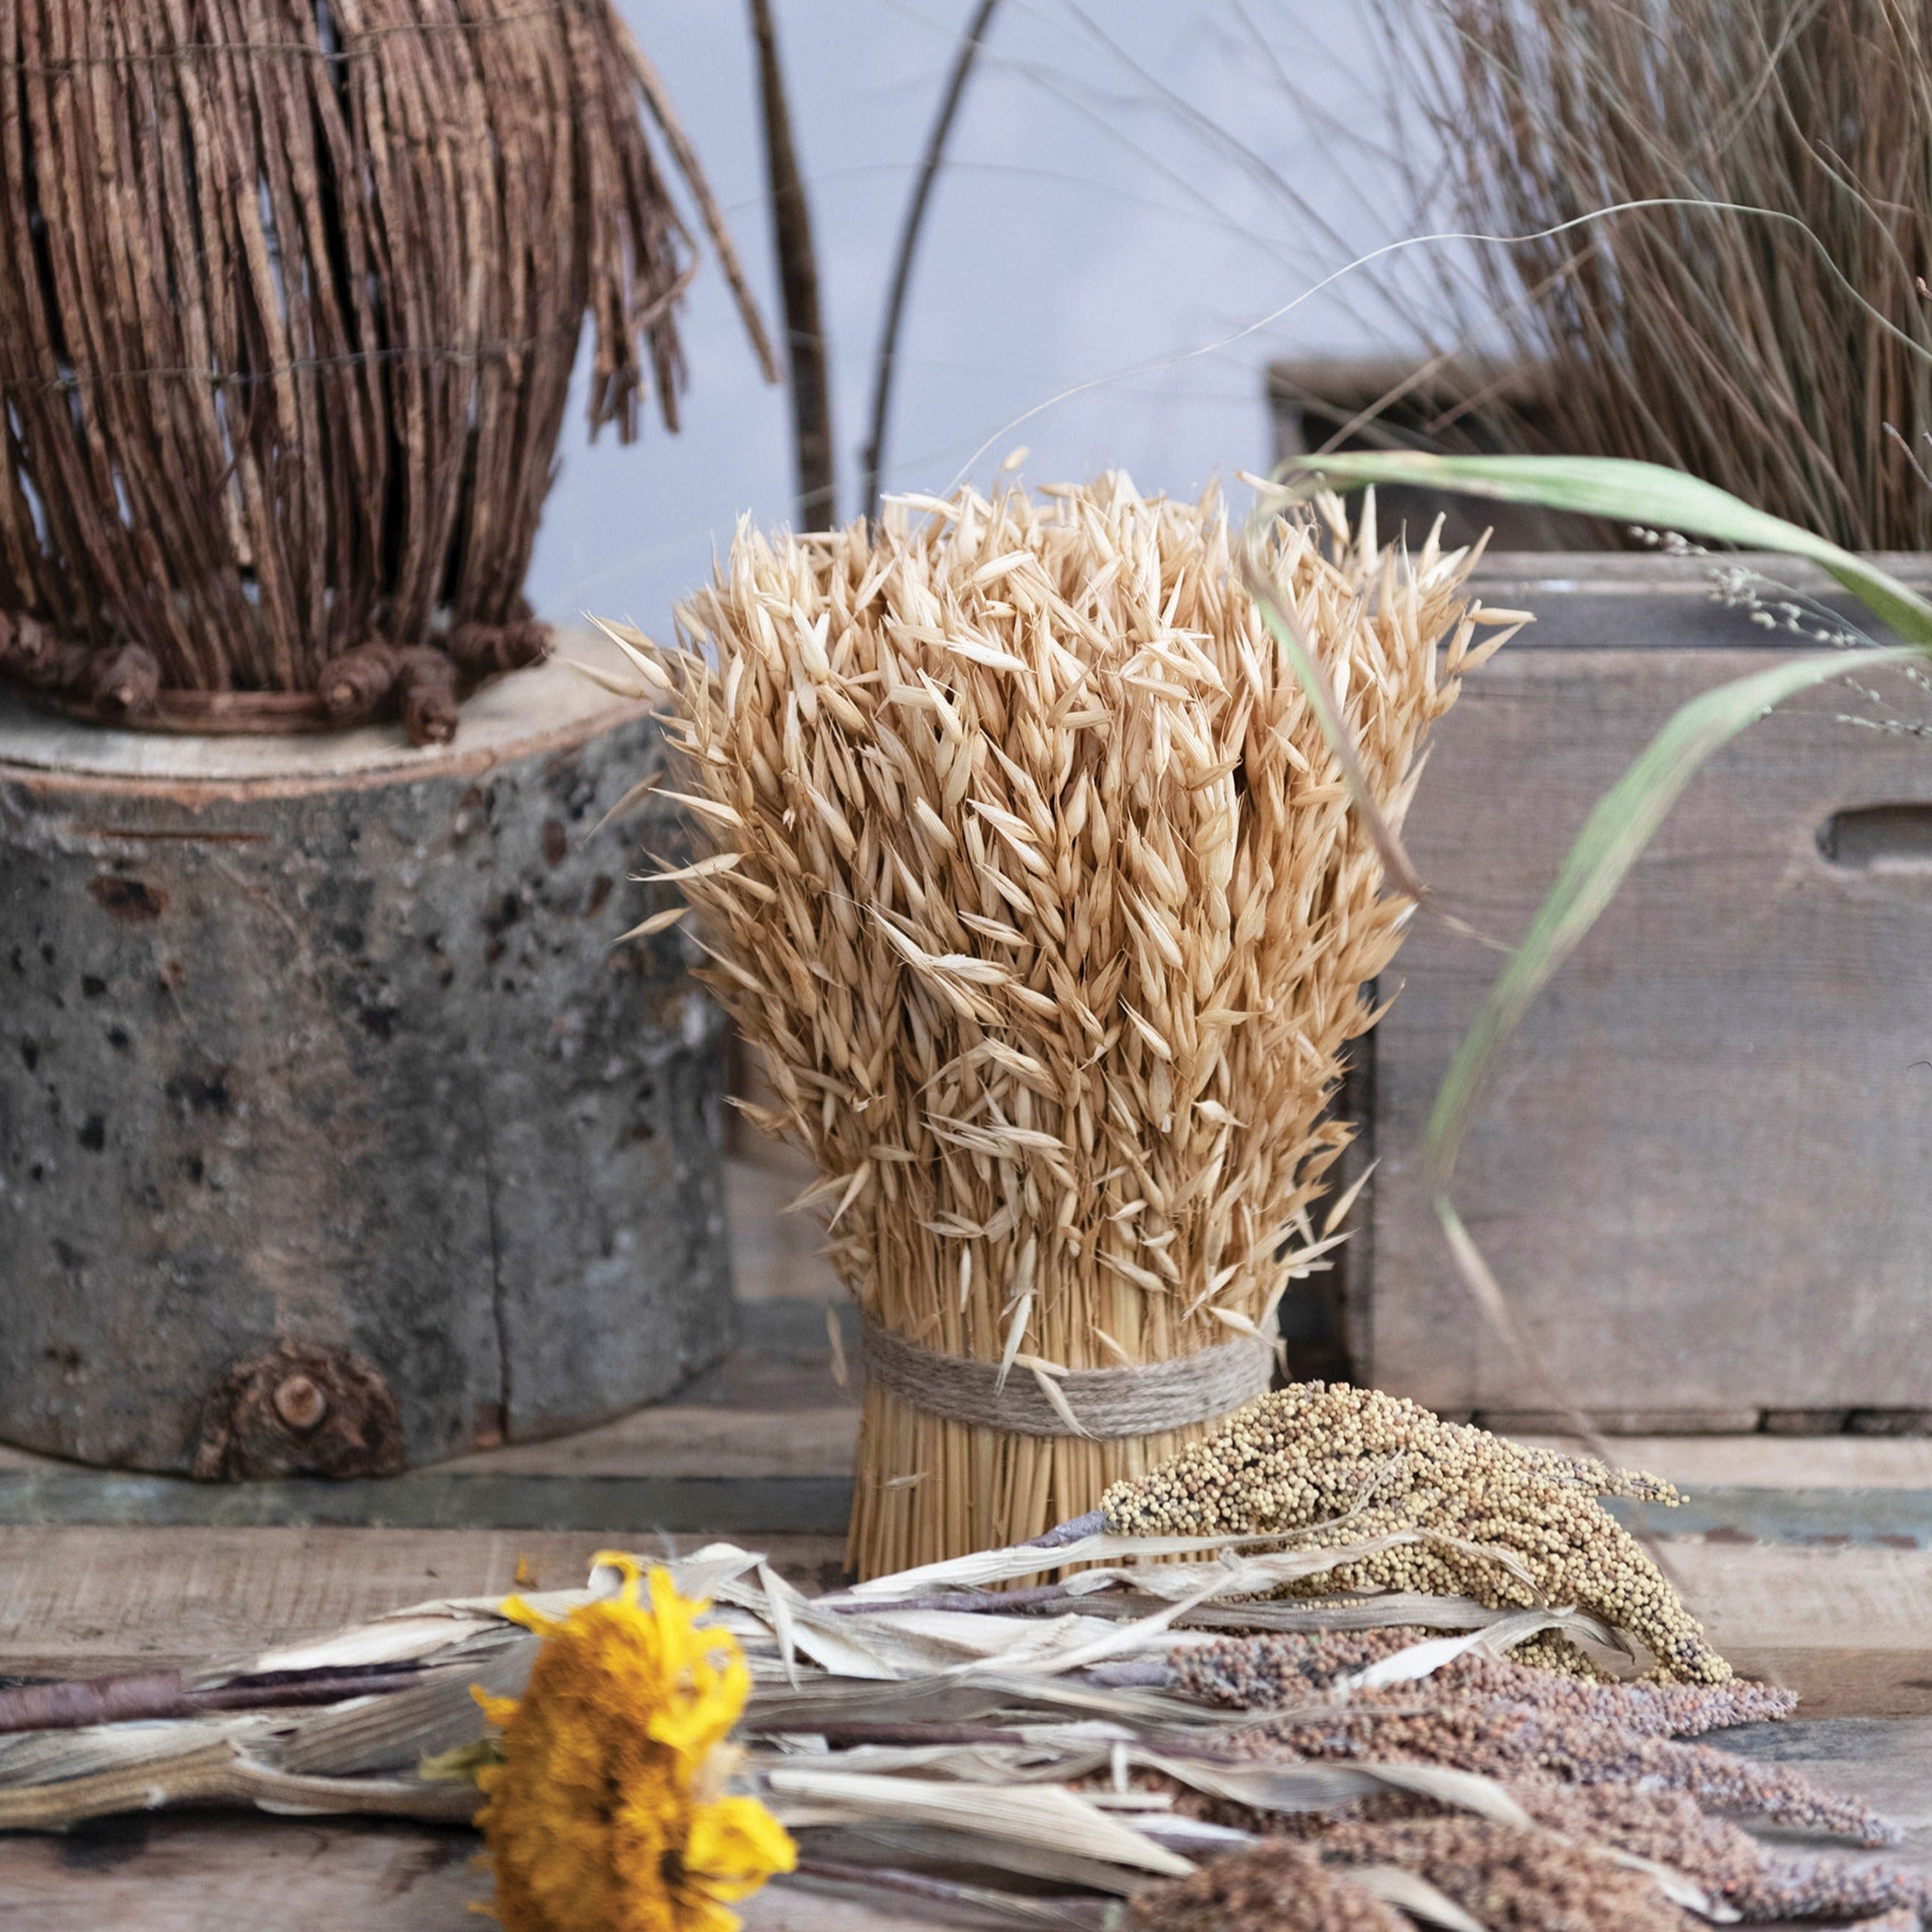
pixel 334 1133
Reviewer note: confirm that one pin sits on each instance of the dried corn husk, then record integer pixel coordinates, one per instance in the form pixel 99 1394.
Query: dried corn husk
pixel 950 1753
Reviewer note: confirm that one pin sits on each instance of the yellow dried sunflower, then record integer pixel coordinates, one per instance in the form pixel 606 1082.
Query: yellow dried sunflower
pixel 607 1813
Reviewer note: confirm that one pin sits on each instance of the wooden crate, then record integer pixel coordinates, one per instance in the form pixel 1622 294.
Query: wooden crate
pixel 1384 402
pixel 1703 1170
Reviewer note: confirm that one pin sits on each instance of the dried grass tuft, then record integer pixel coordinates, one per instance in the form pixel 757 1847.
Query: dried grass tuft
pixel 1763 352
pixel 1033 879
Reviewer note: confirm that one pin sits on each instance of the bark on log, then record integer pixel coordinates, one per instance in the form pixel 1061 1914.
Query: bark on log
pixel 333 1133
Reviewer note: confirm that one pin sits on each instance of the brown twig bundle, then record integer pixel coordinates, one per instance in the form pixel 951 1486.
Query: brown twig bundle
pixel 289 297
pixel 1037 884
pixel 1763 331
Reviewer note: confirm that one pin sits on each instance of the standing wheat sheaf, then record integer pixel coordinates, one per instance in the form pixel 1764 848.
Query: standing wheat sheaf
pixel 1034 880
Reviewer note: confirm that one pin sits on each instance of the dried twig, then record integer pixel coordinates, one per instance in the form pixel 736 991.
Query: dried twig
pixel 929 167
pixel 1765 355
pixel 798 276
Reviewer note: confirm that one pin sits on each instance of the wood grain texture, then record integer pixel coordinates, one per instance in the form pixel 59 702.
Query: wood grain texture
pixel 1847 1629
pixel 1701 1172
pixel 77 1601
pixel 1772 1461
pixel 200 1874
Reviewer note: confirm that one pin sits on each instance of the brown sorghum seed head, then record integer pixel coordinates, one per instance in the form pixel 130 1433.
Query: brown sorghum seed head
pixel 1513 1879
pixel 1721 1858
pixel 1282 1668
pixel 1271 1887
pixel 1515 1736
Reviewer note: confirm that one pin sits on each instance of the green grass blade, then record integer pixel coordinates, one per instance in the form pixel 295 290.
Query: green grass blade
pixel 1626 493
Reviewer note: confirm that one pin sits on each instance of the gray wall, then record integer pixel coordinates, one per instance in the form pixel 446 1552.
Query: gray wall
pixel 1109 207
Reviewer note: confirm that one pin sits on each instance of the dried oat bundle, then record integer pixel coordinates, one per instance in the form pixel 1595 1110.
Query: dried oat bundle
pixel 1038 887
pixel 290 294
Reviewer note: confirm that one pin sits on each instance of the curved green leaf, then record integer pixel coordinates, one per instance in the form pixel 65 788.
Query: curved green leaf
pixel 1626 493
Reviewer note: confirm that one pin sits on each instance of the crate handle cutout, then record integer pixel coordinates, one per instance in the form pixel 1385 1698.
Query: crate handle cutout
pixel 1879 838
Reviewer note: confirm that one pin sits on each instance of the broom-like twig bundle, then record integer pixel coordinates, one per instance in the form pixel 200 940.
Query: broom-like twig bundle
pixel 1037 885
pixel 289 297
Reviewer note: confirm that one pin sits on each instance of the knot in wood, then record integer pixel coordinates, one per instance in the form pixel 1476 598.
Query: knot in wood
pixel 297 1409
pixel 300 1403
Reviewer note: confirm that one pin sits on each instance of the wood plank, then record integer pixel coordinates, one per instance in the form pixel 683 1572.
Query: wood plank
pixel 82 1601
pixel 1887 1518
pixel 615 1507
pixel 1700 1173
pixel 1885 1761
pixel 689 1440
pixel 774 1256
pixel 1847 1629
pixel 189 1873
pixel 1772 1461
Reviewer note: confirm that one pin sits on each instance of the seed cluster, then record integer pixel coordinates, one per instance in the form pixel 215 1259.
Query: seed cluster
pixel 1286 1668
pixel 1509 1721
pixel 1272 1887
pixel 1514 1879
pixel 1512 1736
pixel 1725 1860
pixel 1034 881
pixel 1349 1464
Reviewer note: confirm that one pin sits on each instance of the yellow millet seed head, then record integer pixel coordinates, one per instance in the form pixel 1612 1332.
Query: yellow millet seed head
pixel 1347 1464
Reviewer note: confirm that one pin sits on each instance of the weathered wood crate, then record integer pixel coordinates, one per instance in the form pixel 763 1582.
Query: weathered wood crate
pixel 1703 1170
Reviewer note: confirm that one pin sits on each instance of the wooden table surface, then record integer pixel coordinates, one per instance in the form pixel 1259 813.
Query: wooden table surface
pixel 1810 1559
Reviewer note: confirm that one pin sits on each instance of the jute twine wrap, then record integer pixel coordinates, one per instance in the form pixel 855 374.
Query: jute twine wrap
pixel 1106 1403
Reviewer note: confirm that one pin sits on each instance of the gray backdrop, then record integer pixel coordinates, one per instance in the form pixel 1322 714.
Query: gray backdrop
pixel 1123 188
